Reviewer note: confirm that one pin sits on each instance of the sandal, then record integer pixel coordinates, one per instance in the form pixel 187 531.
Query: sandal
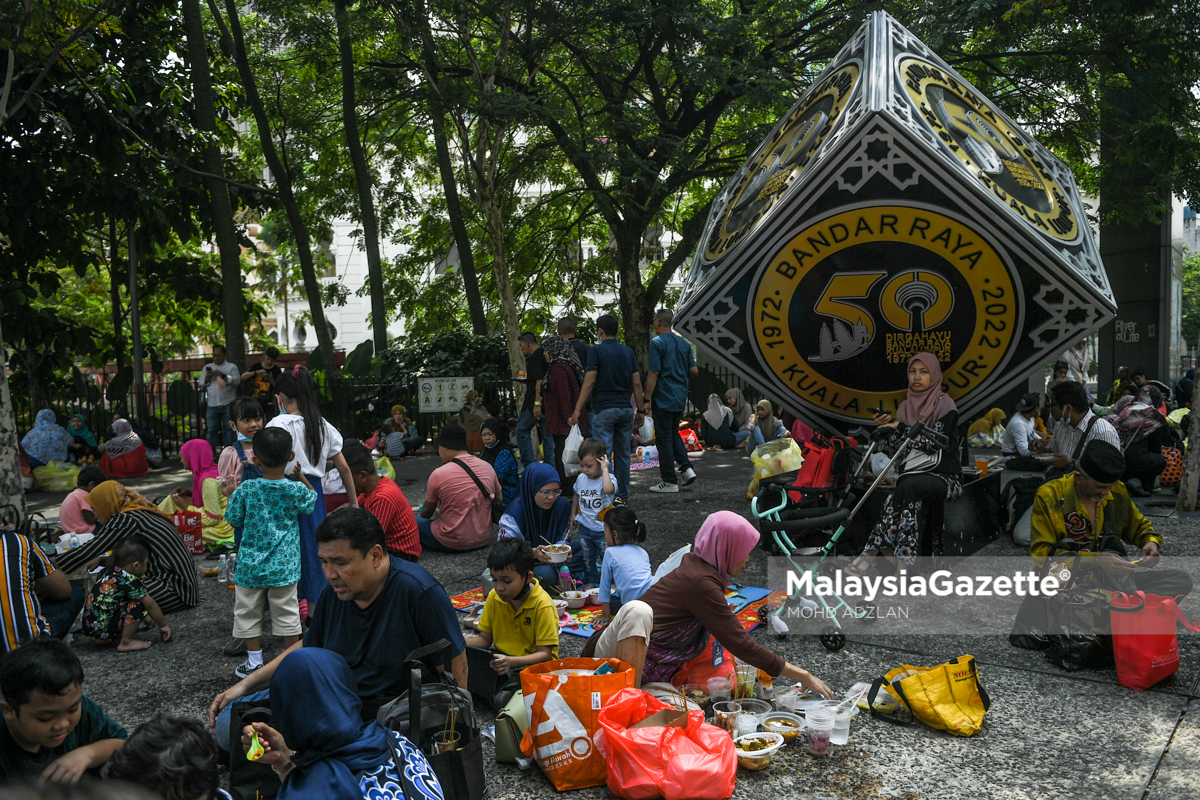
pixel 860 566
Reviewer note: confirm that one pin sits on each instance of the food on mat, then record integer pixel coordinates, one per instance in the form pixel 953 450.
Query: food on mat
pixel 788 729
pixel 754 751
pixel 557 548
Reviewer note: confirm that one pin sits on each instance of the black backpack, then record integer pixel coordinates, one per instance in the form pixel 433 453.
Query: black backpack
pixel 1016 499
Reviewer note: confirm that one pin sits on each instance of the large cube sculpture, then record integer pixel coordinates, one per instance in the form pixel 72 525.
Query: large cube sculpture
pixel 894 210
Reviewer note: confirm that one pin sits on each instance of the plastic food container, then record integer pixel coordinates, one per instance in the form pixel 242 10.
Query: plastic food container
pixel 756 707
pixel 696 693
pixel 789 726
pixel 574 599
pixel 557 555
pixel 765 744
pixel 560 606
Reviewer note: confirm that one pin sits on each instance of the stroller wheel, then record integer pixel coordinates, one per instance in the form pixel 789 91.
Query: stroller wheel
pixel 832 639
pixel 765 611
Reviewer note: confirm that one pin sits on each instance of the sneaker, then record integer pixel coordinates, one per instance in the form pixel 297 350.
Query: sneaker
pixel 664 487
pixel 244 670
pixel 689 476
pixel 619 501
pixel 236 647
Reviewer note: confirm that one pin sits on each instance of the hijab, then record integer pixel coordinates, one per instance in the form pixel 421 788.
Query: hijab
pixel 561 352
pixel 196 455
pixel 494 425
pixel 46 441
pixel 768 424
pixel 539 526
pixel 741 409
pixel 124 439
pixel 84 433
pixel 987 422
pixel 724 540
pixel 111 498
pixel 930 405
pixel 315 703
pixel 717 412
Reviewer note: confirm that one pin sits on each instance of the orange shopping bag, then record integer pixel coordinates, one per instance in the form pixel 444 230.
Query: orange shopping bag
pixel 563 710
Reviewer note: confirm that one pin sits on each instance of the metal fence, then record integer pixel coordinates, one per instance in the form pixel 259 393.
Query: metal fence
pixel 172 410
pixel 716 379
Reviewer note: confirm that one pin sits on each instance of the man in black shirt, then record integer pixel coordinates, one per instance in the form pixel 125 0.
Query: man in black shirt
pixel 262 376
pixel 531 409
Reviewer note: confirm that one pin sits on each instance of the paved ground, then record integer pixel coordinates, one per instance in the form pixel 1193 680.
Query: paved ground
pixel 1048 734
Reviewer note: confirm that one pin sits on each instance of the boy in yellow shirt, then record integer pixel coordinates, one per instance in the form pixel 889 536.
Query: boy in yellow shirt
pixel 519 622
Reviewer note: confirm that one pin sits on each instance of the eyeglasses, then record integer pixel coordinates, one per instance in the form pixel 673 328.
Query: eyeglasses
pixel 550 492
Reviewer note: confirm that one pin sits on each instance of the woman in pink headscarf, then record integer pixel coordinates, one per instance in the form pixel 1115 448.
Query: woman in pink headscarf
pixel 930 476
pixel 663 633
pixel 205 497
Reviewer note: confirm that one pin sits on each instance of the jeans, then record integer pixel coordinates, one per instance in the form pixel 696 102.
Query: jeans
pixel 61 615
pixel 222 729
pixel 593 551
pixel 756 436
pixel 669 443
pixel 614 427
pixel 219 431
pixel 547 574
pixel 428 540
pixel 525 423
pixel 741 436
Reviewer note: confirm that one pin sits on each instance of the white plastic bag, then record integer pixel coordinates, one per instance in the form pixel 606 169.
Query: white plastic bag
pixel 570 456
pixel 647 431
pixel 670 564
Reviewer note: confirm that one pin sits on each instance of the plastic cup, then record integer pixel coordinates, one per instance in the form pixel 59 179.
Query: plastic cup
pixel 718 689
pixel 820 727
pixel 725 714
pixel 786 701
pixel 841 725
pixel 746 724
pixel 747 674
pixel 445 741
pixel 981 464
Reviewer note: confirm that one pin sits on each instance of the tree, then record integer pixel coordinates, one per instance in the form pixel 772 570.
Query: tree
pixel 12 489
pixel 1190 326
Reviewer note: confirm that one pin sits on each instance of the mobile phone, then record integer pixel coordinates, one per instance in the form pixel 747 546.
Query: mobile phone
pixel 875 410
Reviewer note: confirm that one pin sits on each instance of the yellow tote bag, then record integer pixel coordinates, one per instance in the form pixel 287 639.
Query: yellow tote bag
pixel 947 697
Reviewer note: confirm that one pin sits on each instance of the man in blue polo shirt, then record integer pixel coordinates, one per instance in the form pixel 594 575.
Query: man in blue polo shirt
pixel 612 378
pixel 671 363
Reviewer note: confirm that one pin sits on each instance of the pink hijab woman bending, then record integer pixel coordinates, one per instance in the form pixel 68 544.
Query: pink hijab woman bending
pixel 930 476
pixel 205 497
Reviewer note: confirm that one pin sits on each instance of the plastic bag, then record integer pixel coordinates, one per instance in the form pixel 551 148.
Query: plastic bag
pixel 1145 642
pixel 773 458
pixel 384 467
pixel 563 716
pixel 691 442
pixel 187 522
pixel 647 430
pixel 668 566
pixel 694 762
pixel 56 476
pixel 570 457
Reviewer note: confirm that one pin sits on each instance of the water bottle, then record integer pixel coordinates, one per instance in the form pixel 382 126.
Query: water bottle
pixel 564 578
pixel 223 570
pixel 232 568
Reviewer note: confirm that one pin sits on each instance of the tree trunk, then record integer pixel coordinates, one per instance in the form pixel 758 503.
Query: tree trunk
pixel 636 311
pixel 1190 481
pixel 232 307
pixel 12 492
pixel 114 289
pixel 486 201
pixel 362 177
pixel 283 180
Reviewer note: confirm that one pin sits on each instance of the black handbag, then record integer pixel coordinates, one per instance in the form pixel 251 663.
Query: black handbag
pixel 496 500
pixel 460 771
pixel 249 780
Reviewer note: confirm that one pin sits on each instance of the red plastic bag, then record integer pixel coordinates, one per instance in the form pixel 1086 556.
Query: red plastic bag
pixel 696 762
pixel 691 442
pixel 1144 638
pixel 562 711
pixel 188 525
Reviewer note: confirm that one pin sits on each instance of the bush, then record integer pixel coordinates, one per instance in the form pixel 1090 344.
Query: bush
pixel 450 353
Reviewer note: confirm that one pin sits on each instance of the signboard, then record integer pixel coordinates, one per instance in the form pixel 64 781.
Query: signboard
pixel 894 210
pixel 443 394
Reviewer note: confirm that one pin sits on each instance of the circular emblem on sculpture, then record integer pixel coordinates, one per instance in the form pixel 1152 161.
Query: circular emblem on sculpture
pixel 842 306
pixel 997 154
pixel 778 162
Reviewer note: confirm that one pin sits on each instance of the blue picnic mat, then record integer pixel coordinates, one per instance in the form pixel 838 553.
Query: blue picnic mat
pixel 737 595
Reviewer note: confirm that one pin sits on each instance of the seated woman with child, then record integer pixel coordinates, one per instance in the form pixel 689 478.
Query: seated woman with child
pixel 541 515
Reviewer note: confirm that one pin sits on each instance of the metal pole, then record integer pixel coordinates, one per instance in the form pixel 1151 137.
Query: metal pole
pixel 135 322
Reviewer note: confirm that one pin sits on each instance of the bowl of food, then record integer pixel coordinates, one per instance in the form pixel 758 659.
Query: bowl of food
pixel 697 693
pixel 594 593
pixel 789 726
pixel 557 553
pixel 754 750
pixel 574 599
pixel 560 606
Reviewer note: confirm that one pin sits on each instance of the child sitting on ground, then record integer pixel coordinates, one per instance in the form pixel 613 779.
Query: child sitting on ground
pixel 119 602
pixel 268 567
pixel 519 619
pixel 51 729
pixel 626 564
pixel 175 757
pixel 594 492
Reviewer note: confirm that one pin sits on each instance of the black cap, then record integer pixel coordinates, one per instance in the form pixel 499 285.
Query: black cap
pixel 1026 404
pixel 1102 462
pixel 452 437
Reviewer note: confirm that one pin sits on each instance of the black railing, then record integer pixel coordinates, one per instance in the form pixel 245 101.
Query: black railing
pixel 717 379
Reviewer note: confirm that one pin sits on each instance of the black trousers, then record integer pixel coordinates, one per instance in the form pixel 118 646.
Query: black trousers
pixel 669 443
pixel 1143 464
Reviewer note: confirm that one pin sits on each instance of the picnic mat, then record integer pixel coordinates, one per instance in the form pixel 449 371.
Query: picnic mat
pixel 638 464
pixel 748 616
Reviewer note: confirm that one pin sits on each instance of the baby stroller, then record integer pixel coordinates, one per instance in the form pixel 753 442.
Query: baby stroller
pixel 786 519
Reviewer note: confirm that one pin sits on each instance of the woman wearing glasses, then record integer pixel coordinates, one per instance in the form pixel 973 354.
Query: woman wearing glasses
pixel 540 515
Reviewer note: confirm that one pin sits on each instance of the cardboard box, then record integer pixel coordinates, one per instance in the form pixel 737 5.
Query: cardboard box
pixel 667 718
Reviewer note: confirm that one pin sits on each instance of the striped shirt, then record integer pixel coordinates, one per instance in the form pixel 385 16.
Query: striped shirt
pixel 21 564
pixel 1066 436
pixel 170 573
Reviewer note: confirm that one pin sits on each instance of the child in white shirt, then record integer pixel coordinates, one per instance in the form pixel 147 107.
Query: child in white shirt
pixel 594 492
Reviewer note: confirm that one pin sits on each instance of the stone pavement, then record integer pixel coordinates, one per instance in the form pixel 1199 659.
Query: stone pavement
pixel 1048 733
